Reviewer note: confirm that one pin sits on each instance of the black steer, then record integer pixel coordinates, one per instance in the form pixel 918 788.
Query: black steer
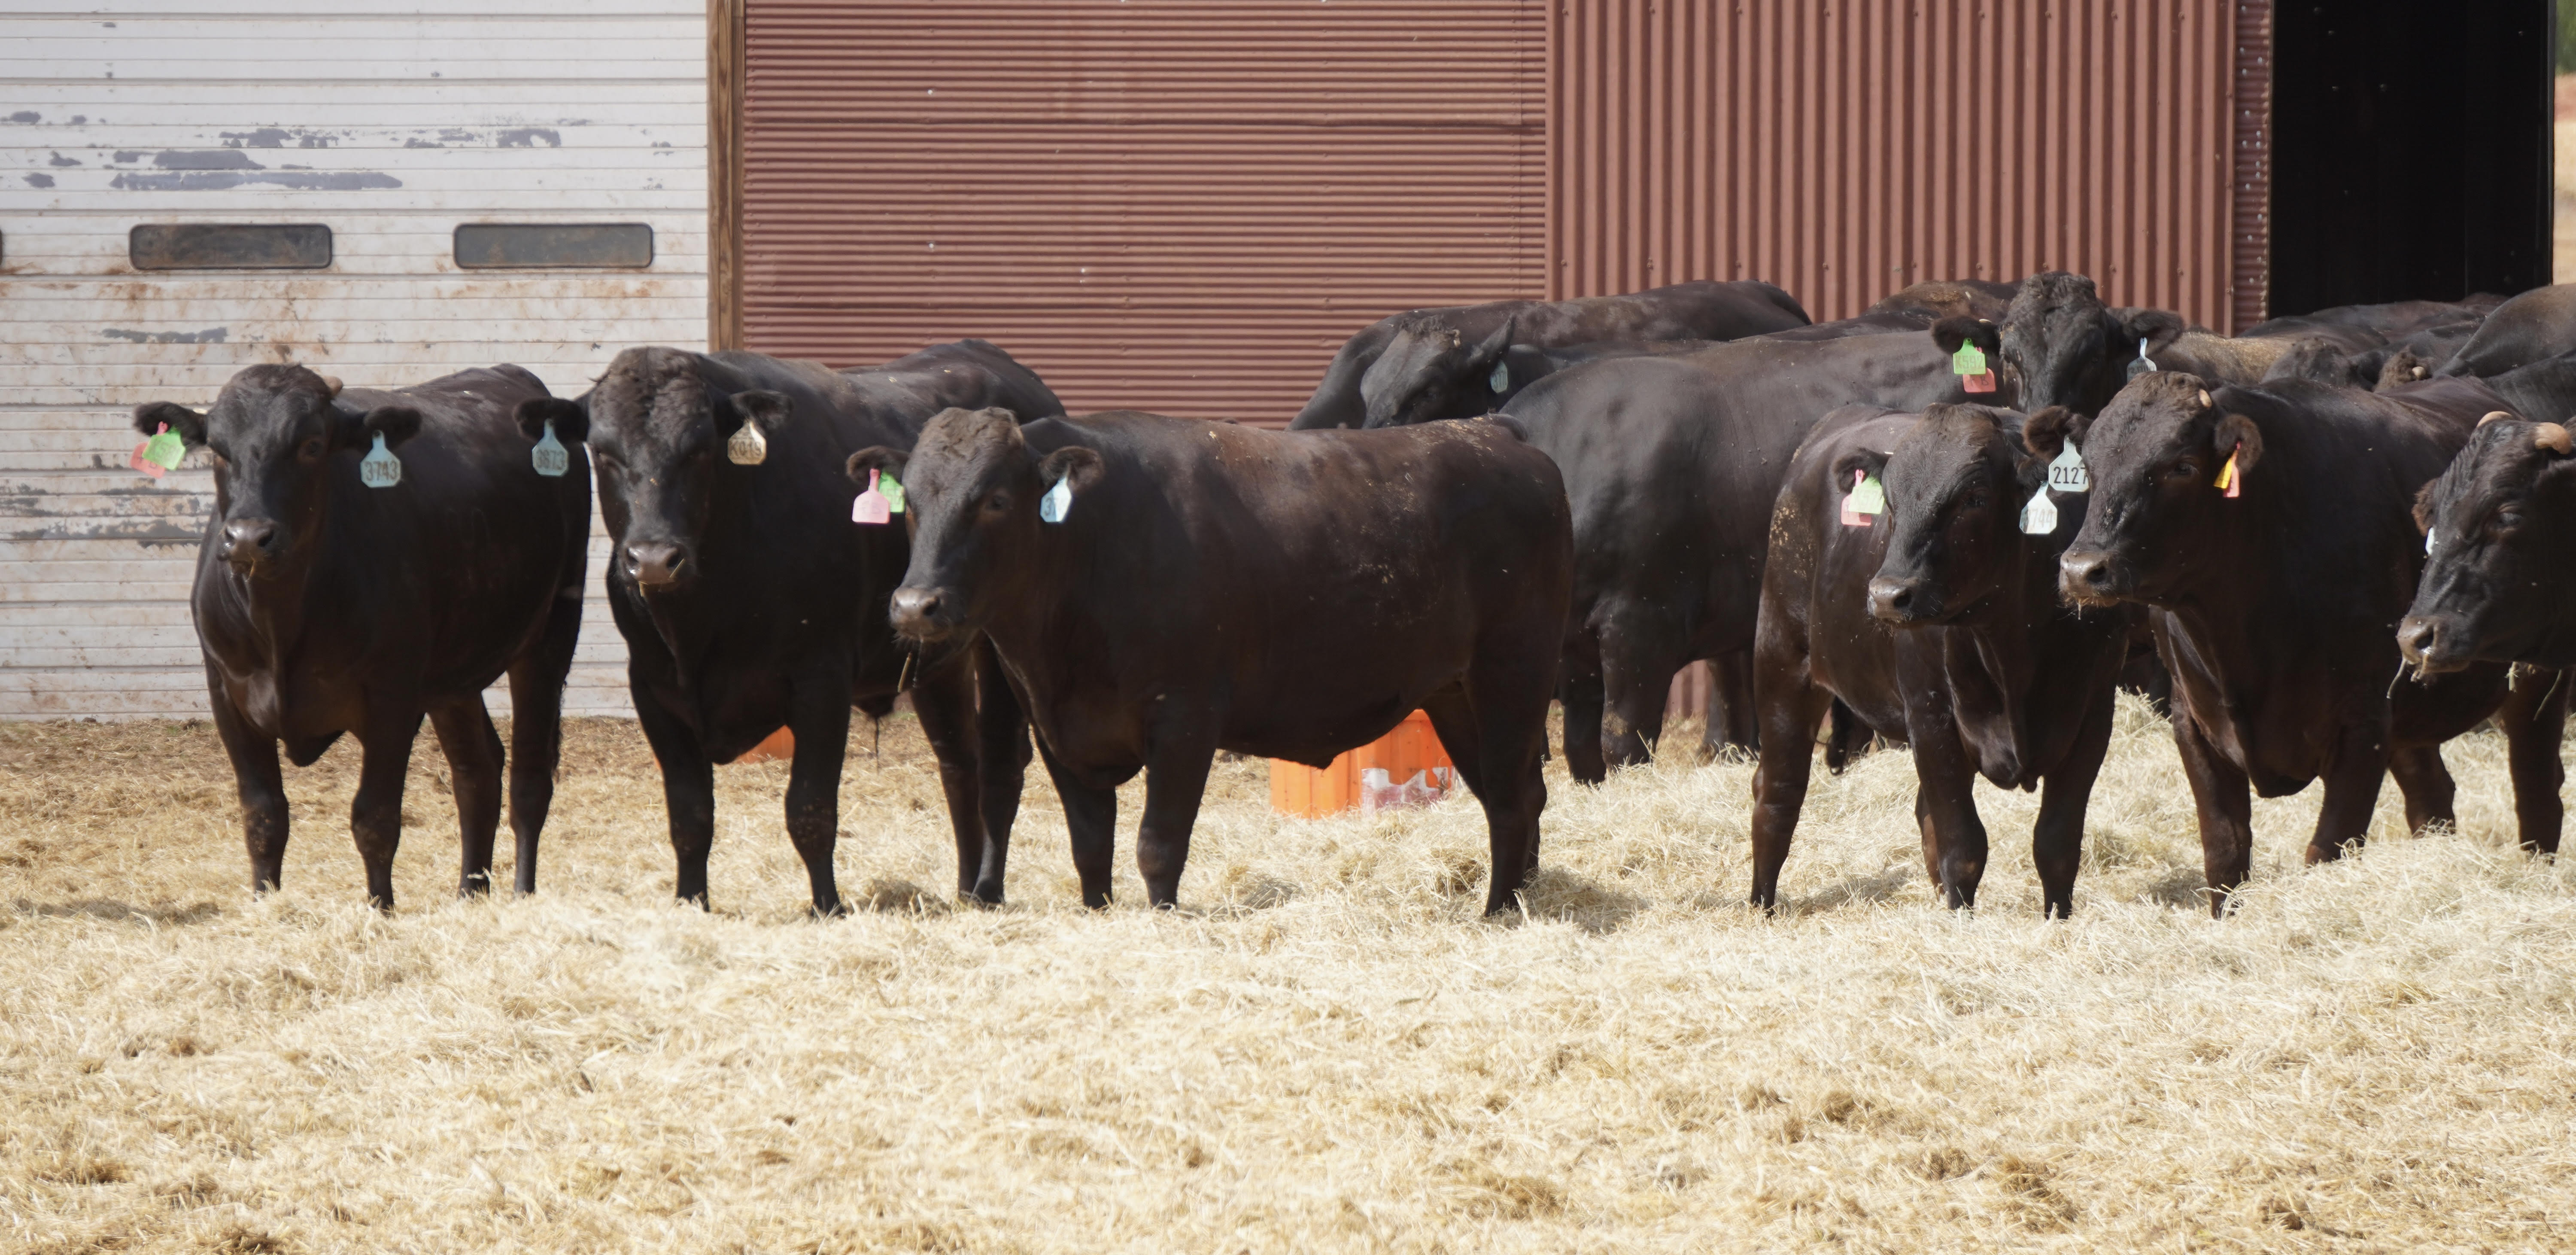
pixel 2276 609
pixel 2532 327
pixel 1219 587
pixel 1938 624
pixel 1438 363
pixel 749 599
pixel 327 606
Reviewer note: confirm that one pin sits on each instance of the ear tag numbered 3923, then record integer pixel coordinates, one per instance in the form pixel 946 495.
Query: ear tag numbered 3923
pixel 2144 365
pixel 159 455
pixel 1057 502
pixel 1866 500
pixel 873 506
pixel 550 457
pixel 2039 514
pixel 2229 477
pixel 747 447
pixel 2066 472
pixel 380 468
pixel 1501 380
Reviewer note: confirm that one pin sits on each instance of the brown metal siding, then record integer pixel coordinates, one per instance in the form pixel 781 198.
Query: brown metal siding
pixel 2251 233
pixel 1846 149
pixel 1177 205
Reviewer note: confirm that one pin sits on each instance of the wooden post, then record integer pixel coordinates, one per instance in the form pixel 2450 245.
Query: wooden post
pixel 724 173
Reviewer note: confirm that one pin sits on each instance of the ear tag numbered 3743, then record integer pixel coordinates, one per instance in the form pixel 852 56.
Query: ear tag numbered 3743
pixel 2144 365
pixel 1058 501
pixel 159 455
pixel 380 468
pixel 2066 472
pixel 873 506
pixel 1501 380
pixel 2229 477
pixel 747 447
pixel 1866 500
pixel 550 457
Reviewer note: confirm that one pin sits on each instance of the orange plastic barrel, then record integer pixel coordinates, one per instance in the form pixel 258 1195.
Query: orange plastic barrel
pixel 780 745
pixel 1417 770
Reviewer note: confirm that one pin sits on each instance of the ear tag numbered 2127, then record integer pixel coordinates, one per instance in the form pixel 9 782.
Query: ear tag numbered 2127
pixel 159 455
pixel 2066 472
pixel 873 506
pixel 550 457
pixel 380 468
pixel 1866 500
pixel 1057 502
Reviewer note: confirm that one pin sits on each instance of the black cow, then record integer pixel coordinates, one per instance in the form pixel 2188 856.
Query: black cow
pixel 750 600
pixel 1205 586
pixel 325 605
pixel 1672 464
pixel 1938 624
pixel 2536 325
pixel 1434 363
pixel 2276 609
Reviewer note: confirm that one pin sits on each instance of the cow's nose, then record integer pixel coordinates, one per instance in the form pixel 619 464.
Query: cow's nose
pixel 915 611
pixel 249 541
pixel 2419 638
pixel 1894 601
pixel 655 564
pixel 2086 573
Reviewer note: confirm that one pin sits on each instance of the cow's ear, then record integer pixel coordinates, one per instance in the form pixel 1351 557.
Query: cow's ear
pixel 2045 433
pixel 877 458
pixel 2552 439
pixel 1491 349
pixel 1074 462
pixel 2158 327
pixel 1960 329
pixel 1858 460
pixel 571 418
pixel 2424 506
pixel 769 410
pixel 187 424
pixel 2238 437
pixel 396 423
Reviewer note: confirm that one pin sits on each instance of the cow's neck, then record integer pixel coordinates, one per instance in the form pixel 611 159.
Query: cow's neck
pixel 1992 665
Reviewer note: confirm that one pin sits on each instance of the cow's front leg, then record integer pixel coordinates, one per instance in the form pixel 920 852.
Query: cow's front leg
pixel 1090 819
pixel 2057 840
pixel 2533 729
pixel 688 793
pixel 2352 789
pixel 375 818
pixel 2224 798
pixel 819 715
pixel 1002 740
pixel 1175 782
pixel 944 698
pixel 260 785
pixel 474 767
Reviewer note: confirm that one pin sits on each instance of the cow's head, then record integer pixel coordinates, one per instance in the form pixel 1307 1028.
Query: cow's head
pixel 1955 485
pixel 274 431
pixel 2499 524
pixel 2156 514
pixel 1429 371
pixel 2063 346
pixel 657 431
pixel 972 487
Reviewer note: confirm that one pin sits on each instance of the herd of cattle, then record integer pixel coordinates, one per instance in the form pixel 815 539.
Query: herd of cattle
pixel 1958 521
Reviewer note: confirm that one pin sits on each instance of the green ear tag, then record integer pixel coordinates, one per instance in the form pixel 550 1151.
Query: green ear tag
pixel 1969 360
pixel 892 491
pixel 1869 497
pixel 380 468
pixel 165 448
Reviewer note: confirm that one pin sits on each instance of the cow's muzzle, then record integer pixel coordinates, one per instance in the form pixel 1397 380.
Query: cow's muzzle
pixel 922 614
pixel 250 544
pixel 2433 644
pixel 1901 601
pixel 656 566
pixel 2089 577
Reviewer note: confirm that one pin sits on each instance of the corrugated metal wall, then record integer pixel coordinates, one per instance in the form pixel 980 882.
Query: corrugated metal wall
pixel 390 128
pixel 1177 205
pixel 1847 149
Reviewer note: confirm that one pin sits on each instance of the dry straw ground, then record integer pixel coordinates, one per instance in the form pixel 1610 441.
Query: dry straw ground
pixel 1326 1051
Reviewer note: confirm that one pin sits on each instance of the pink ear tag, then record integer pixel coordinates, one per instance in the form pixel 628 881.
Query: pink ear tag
pixel 144 464
pixel 2228 476
pixel 872 506
pixel 1983 382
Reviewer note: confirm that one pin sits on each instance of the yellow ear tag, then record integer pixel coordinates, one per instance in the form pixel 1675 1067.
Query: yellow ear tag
pixel 2227 476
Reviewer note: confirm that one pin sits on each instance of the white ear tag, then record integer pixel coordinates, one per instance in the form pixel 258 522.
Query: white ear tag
pixel 1057 502
pixel 748 447
pixel 1501 380
pixel 2144 365
pixel 550 457
pixel 380 468
pixel 2039 515
pixel 2428 542
pixel 2066 472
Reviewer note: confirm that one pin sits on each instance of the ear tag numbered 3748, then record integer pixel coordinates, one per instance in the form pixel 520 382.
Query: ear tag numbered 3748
pixel 1501 380
pixel 747 447
pixel 2039 514
pixel 1866 500
pixel 159 455
pixel 873 506
pixel 380 468
pixel 2144 364
pixel 1057 502
pixel 550 457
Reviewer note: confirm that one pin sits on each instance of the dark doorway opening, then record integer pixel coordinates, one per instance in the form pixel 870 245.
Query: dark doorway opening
pixel 2411 150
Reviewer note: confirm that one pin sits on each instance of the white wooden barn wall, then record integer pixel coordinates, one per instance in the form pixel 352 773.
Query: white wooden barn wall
pixel 389 122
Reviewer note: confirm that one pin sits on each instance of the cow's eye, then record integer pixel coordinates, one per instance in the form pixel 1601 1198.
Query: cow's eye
pixel 312 450
pixel 2506 520
pixel 2187 468
pixel 998 503
pixel 1975 500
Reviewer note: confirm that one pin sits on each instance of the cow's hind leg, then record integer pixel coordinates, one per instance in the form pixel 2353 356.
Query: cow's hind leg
pixel 1639 656
pixel 1584 709
pixel 474 770
pixel 1002 738
pixel 688 794
pixel 375 817
pixel 536 733
pixel 2534 716
pixel 1734 724
pixel 944 697
pixel 259 783
pixel 818 712
pixel 2425 784
pixel 1789 707
pixel 1498 721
